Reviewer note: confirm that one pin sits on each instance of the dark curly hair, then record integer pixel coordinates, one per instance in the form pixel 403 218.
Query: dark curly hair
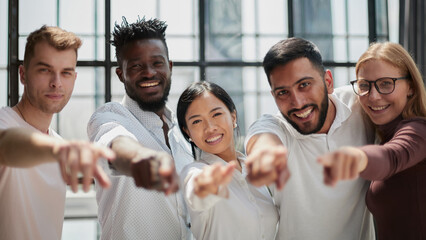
pixel 141 29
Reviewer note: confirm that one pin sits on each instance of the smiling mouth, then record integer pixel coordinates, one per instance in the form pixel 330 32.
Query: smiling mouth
pixel 214 139
pixel 378 108
pixel 305 113
pixel 148 84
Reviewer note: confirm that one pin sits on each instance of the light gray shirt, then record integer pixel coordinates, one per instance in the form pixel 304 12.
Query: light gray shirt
pixel 126 211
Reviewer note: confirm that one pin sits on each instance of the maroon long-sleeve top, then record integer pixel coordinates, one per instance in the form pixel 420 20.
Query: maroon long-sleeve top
pixel 397 169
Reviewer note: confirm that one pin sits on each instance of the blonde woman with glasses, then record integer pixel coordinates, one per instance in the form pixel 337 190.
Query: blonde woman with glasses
pixel 392 94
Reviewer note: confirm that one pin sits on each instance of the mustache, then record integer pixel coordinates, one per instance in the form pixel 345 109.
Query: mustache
pixel 299 109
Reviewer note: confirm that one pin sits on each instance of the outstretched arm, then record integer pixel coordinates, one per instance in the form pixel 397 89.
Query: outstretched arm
pixel 206 185
pixel 150 169
pixel 27 148
pixel 267 160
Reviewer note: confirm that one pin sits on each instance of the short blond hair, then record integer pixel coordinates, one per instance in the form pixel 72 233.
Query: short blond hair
pixel 54 36
pixel 397 56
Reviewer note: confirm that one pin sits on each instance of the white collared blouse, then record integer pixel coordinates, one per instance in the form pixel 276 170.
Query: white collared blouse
pixel 248 212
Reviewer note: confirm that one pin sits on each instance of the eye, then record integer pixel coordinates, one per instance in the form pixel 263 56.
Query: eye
pixel 43 70
pixel 282 93
pixel 136 66
pixel 158 64
pixel 217 114
pixel 196 122
pixel 66 73
pixel 304 84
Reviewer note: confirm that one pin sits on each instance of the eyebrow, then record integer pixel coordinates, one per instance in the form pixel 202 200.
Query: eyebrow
pixel 214 109
pixel 50 66
pixel 297 82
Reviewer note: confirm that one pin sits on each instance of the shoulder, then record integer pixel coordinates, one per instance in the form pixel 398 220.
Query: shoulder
pixel 346 95
pixel 417 124
pixel 9 118
pixel 109 112
pixel 267 120
pixel 192 168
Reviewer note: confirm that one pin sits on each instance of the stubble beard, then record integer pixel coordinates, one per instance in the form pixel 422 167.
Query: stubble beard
pixel 322 116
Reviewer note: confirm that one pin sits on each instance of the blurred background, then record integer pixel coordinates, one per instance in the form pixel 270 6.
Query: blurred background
pixel 222 41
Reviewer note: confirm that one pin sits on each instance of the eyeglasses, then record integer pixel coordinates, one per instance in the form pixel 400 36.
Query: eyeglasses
pixel 384 85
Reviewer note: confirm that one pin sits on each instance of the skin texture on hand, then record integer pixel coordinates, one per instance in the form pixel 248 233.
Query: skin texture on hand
pixel 153 170
pixel 156 172
pixel 212 177
pixel 81 157
pixel 267 161
pixel 343 164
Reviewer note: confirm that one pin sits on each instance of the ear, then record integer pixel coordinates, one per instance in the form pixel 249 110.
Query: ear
pixel 234 117
pixel 22 75
pixel 328 78
pixel 119 73
pixel 410 92
pixel 170 66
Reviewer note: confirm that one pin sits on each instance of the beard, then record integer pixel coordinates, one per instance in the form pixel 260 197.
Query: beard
pixel 322 115
pixel 147 104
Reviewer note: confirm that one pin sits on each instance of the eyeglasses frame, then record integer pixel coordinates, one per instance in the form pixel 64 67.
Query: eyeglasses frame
pixel 375 85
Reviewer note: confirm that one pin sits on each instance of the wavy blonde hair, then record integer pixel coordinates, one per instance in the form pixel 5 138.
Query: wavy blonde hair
pixel 397 56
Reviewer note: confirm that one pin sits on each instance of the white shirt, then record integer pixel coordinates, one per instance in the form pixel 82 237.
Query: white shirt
pixel 248 213
pixel 32 200
pixel 308 208
pixel 126 211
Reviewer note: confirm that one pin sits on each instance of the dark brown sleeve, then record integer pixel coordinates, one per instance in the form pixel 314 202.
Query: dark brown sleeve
pixel 406 149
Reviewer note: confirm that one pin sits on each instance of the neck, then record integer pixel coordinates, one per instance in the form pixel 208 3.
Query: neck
pixel 160 113
pixel 331 115
pixel 33 116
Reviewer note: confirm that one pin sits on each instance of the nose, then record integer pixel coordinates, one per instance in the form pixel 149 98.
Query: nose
pixel 210 126
pixel 55 80
pixel 149 72
pixel 373 94
pixel 297 100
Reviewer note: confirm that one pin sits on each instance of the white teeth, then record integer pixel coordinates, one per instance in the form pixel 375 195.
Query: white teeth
pixel 151 84
pixel 213 139
pixel 304 114
pixel 378 108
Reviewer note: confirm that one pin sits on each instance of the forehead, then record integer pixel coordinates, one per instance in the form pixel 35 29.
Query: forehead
pixel 374 69
pixel 204 103
pixel 293 71
pixel 144 47
pixel 47 54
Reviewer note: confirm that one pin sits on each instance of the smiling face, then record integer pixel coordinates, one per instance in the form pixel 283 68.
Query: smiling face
pixel 301 95
pixel 146 73
pixel 210 125
pixel 382 108
pixel 49 78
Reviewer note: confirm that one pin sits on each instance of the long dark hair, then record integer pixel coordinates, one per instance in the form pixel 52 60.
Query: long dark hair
pixel 190 94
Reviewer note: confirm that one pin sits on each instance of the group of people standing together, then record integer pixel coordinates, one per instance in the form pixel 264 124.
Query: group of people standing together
pixel 315 170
